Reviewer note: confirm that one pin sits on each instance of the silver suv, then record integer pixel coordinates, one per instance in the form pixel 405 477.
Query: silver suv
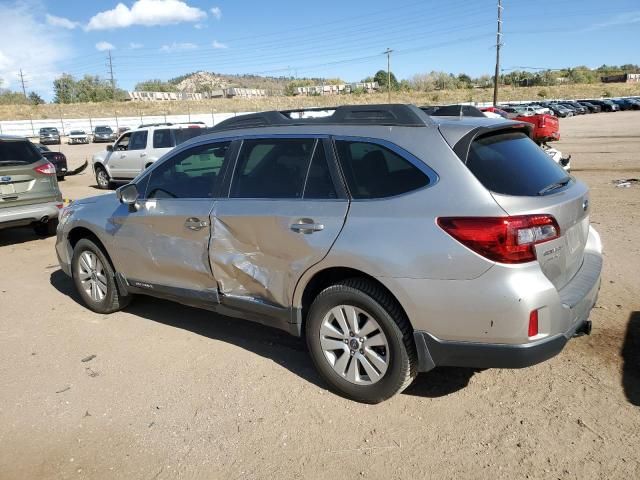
pixel 29 193
pixel 393 241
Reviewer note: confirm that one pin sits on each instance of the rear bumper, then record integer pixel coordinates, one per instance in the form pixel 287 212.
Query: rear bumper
pixel 28 214
pixel 483 323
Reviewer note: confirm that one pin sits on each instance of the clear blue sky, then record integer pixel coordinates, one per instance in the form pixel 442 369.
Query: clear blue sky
pixel 329 38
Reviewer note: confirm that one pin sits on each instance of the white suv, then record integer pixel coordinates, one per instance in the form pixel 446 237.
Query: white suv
pixel 136 149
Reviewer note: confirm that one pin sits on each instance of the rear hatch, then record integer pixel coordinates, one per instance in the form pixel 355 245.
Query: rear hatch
pixel 524 180
pixel 21 180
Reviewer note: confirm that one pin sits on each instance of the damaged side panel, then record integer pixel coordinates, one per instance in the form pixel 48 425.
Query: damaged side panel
pixel 258 250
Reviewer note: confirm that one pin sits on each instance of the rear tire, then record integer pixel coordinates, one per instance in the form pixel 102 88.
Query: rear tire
pixel 94 278
pixel 61 178
pixel 102 179
pixel 372 361
pixel 46 229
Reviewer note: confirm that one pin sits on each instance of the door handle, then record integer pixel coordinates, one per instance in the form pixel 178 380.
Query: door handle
pixel 306 225
pixel 195 224
pixel 143 154
pixel 122 155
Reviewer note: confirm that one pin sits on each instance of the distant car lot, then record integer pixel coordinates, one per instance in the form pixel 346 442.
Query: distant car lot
pixel 174 389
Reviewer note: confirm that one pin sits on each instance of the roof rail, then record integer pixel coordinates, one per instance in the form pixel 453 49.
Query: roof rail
pixel 161 124
pixel 385 114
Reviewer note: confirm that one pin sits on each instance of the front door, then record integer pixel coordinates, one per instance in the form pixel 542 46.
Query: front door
pixel 133 161
pixel 285 209
pixel 116 158
pixel 164 244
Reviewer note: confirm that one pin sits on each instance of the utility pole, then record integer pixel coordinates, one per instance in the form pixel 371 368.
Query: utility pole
pixel 24 89
pixel 387 52
pixel 113 82
pixel 498 45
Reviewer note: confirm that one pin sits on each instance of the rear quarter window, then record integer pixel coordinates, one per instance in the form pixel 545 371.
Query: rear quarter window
pixel 374 171
pixel 512 164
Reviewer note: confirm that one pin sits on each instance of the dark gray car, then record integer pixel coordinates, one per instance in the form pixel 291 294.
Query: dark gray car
pixel 29 193
pixel 392 241
pixel 49 135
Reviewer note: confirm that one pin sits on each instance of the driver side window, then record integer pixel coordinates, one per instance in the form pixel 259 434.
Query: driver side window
pixel 123 143
pixel 194 173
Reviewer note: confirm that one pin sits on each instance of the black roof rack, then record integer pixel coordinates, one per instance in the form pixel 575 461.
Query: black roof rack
pixel 169 124
pixel 385 115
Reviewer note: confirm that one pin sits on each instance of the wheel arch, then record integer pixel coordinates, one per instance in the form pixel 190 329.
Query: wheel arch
pixel 78 233
pixel 306 293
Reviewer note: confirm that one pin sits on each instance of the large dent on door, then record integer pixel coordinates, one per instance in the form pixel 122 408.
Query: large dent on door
pixel 242 268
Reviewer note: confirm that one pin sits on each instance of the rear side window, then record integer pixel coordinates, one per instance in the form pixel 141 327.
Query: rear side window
pixel 272 168
pixel 319 184
pixel 18 152
pixel 184 134
pixel 512 164
pixel 374 171
pixel 162 138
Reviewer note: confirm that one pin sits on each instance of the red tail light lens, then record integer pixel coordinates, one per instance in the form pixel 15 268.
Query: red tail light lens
pixel 533 323
pixel 502 239
pixel 46 169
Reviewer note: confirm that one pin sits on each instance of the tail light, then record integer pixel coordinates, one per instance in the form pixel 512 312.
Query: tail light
pixel 46 169
pixel 502 239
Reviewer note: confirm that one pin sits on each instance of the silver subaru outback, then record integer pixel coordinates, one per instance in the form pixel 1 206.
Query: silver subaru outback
pixel 393 241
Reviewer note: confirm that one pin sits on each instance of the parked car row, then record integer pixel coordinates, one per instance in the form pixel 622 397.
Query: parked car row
pixel 569 108
pixel 101 133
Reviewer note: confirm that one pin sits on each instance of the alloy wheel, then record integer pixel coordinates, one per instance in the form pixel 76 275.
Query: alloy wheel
pixel 92 277
pixel 354 345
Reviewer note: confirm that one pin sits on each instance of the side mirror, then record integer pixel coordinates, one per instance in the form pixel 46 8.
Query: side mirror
pixel 128 194
pixel 109 148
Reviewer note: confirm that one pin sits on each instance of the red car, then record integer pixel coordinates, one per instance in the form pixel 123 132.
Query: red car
pixel 546 128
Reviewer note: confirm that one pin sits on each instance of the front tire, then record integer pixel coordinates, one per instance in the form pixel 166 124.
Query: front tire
pixel 94 278
pixel 361 341
pixel 102 179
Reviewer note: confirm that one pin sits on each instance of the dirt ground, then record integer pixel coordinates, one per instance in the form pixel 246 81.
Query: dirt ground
pixel 163 391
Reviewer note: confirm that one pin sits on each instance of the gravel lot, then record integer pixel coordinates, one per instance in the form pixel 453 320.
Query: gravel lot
pixel 164 391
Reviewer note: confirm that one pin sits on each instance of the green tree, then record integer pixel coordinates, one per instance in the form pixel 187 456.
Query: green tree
pixel 63 88
pixel 90 88
pixel 35 99
pixel 464 81
pixel 382 78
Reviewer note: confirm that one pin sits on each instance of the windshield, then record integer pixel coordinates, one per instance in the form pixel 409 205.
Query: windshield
pixel 76 132
pixel 104 130
pixel 48 130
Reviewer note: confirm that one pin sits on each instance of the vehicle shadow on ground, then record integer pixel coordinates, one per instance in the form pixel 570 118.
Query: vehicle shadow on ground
pixel 631 360
pixel 285 350
pixel 15 236
pixel 440 382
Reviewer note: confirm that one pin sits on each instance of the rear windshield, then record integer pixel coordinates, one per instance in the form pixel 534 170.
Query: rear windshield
pixel 184 134
pixel 512 164
pixel 17 152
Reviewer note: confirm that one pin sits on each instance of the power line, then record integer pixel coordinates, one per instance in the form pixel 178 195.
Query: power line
pixel 498 45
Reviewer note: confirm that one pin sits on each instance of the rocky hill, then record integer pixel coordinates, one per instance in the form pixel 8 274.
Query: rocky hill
pixel 203 81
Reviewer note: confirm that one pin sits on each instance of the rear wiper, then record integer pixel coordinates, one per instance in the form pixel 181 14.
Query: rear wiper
pixel 554 186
